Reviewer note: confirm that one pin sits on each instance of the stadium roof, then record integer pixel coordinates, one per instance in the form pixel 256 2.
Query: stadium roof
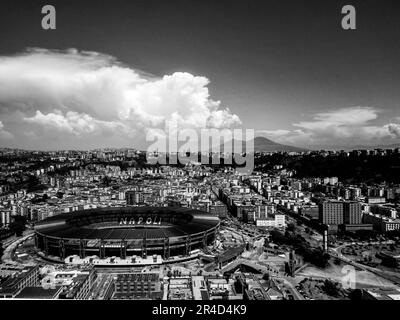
pixel 103 223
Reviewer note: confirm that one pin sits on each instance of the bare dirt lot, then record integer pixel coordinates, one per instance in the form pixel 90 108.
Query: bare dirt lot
pixel 334 271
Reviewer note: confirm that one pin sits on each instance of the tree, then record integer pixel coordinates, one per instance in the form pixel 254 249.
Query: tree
pixel 355 294
pixel 290 227
pixel 277 237
pixel 331 288
pixel 299 223
pixel 18 225
pixel 59 194
pixel 106 181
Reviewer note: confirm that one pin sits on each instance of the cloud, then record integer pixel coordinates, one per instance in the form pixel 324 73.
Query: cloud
pixel 84 93
pixel 3 133
pixel 345 126
pixel 394 129
pixel 344 117
pixel 75 123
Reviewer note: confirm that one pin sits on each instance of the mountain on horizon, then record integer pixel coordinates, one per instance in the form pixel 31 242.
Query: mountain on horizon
pixel 262 144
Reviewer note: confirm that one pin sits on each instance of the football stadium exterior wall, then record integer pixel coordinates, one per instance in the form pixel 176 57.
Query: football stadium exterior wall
pixel 126 231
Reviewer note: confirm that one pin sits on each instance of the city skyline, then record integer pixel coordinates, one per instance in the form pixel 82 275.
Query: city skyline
pixel 212 157
pixel 108 73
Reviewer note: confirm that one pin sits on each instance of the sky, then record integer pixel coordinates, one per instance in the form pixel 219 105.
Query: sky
pixel 113 70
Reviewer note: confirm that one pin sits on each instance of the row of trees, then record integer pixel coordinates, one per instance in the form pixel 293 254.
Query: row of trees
pixel 315 256
pixel 368 235
pixel 354 169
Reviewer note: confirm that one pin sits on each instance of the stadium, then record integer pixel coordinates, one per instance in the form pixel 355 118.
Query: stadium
pixel 126 231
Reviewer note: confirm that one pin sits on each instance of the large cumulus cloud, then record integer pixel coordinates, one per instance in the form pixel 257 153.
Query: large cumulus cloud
pixel 46 94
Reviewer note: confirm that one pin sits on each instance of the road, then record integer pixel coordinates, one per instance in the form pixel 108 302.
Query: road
pixel 11 246
pixel 261 268
pixel 291 287
pixel 14 238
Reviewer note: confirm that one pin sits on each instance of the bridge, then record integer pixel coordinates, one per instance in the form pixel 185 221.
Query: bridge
pixel 234 265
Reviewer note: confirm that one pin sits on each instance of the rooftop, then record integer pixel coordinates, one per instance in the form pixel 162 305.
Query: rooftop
pixel 38 293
